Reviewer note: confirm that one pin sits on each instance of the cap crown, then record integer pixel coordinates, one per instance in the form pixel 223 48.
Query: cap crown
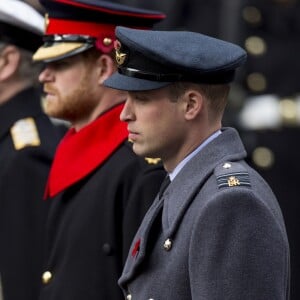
pixel 153 59
pixel 180 51
pixel 73 26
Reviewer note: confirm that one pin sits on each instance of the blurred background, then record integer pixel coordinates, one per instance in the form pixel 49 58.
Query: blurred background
pixel 265 100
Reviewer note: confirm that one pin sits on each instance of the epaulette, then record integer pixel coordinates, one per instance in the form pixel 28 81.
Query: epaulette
pixel 152 161
pixel 24 133
pixel 232 174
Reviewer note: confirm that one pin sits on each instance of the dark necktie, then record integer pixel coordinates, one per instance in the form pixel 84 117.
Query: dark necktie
pixel 164 185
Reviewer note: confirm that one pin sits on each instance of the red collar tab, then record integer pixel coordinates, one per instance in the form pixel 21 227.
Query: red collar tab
pixel 79 153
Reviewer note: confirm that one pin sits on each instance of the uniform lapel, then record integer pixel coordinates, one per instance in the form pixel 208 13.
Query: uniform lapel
pixel 137 251
pixel 191 178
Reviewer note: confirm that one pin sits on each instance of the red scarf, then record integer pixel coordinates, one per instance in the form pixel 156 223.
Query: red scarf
pixel 79 153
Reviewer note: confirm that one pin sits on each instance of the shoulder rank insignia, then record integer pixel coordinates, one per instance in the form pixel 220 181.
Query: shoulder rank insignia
pixel 24 133
pixel 152 161
pixel 232 175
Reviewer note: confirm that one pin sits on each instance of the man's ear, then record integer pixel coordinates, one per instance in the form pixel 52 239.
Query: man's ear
pixel 106 67
pixel 9 62
pixel 193 101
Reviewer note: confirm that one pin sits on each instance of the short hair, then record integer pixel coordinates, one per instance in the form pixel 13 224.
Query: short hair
pixel 215 94
pixel 28 70
pixel 94 53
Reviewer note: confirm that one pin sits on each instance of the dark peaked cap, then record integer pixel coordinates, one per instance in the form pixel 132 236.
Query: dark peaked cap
pixel 74 26
pixel 152 59
pixel 20 25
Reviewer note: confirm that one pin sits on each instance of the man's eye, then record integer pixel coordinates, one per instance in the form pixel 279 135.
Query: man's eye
pixel 60 64
pixel 140 97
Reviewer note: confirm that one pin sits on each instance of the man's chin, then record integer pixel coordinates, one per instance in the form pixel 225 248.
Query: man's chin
pixel 54 113
pixel 138 150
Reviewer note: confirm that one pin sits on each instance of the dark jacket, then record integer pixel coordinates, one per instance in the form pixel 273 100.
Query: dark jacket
pixel 220 234
pixel 27 143
pixel 92 223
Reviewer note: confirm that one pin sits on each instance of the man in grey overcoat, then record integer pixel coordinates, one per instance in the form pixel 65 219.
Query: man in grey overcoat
pixel 216 232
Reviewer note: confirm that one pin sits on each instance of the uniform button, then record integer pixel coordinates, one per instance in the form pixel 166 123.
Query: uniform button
pixel 107 41
pixel 129 297
pixel 168 244
pixel 107 249
pixel 46 277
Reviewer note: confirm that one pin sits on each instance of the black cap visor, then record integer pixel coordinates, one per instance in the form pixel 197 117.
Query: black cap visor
pixel 122 82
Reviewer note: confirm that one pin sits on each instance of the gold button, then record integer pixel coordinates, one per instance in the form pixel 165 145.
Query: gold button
pixel 46 277
pixel 167 244
pixel 107 41
pixel 129 297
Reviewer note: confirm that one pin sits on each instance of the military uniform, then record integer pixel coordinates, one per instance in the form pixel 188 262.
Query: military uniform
pixel 217 232
pixel 28 140
pixel 270 32
pixel 99 189
pixel 92 223
pixel 27 144
pixel 220 231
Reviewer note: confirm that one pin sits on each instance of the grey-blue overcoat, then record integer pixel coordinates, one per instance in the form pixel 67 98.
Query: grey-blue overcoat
pixel 217 233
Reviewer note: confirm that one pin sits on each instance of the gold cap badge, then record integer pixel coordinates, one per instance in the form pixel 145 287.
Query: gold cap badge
pixel 120 57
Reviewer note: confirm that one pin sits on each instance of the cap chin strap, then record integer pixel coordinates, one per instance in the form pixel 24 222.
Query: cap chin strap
pixel 130 72
pixel 68 38
pixel 213 78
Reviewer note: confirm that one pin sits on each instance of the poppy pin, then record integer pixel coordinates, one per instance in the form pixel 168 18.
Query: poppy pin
pixel 136 248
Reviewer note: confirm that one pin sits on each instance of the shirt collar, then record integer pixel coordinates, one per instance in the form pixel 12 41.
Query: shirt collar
pixel 192 154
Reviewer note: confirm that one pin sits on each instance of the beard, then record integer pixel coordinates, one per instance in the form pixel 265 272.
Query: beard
pixel 77 105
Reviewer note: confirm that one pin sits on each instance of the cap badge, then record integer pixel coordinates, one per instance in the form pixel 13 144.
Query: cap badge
pixel 120 57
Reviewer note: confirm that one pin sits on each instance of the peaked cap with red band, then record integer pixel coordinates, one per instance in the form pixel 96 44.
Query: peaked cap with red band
pixel 74 26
